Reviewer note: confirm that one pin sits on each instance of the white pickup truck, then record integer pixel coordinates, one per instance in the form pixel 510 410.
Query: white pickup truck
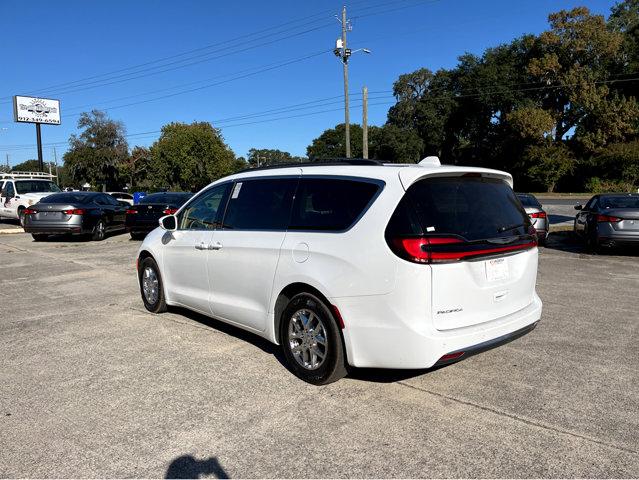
pixel 19 190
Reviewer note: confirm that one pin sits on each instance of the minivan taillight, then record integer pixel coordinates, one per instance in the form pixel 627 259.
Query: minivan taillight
pixel 608 218
pixel 170 211
pixel 449 249
pixel 538 215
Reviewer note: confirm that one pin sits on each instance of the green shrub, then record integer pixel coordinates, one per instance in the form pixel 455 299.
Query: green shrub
pixel 598 185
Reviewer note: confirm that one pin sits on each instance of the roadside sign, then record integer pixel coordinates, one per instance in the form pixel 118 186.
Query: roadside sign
pixel 36 110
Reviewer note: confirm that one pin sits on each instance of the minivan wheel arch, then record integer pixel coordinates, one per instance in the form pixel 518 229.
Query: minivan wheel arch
pixel 286 295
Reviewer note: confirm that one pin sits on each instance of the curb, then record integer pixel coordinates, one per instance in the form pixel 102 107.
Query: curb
pixel 8 231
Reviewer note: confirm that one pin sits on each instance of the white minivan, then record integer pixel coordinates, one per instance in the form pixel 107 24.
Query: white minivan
pixel 353 263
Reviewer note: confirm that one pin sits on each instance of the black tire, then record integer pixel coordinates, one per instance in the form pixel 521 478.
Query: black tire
pixel 333 366
pixel 153 305
pixel 40 237
pixel 99 231
pixel 137 236
pixel 21 216
pixel 592 243
pixel 541 241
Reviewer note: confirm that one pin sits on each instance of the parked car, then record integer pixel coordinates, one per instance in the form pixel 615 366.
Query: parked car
pixel 608 220
pixel 538 216
pixel 77 213
pixel 20 190
pixel 353 264
pixel 122 197
pixel 143 217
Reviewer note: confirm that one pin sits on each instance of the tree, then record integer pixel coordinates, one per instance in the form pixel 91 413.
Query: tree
pixel 331 143
pixel 95 154
pixel 394 144
pixel 618 161
pixel 190 156
pixel 265 156
pixel 624 18
pixel 135 168
pixel 29 166
pixel 550 162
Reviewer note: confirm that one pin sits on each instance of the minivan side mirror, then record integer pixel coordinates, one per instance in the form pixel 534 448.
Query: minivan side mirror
pixel 579 206
pixel 169 223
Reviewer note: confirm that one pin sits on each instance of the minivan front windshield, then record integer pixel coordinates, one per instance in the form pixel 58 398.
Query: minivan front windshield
pixel 474 208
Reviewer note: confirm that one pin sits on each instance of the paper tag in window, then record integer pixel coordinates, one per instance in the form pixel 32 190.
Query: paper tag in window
pixel 236 190
pixel 430 229
pixel 496 269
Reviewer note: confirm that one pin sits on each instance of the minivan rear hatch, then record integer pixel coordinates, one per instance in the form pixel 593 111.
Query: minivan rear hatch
pixel 478 241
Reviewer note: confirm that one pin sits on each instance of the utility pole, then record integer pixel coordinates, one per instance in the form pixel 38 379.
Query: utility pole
pixel 8 168
pixel 57 175
pixel 365 122
pixel 347 127
pixel 344 54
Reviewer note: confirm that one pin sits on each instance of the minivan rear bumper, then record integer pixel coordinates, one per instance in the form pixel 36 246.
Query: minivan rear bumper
pixel 374 342
pixel 459 355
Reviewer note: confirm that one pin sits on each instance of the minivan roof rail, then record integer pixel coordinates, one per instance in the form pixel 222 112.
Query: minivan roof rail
pixel 319 163
pixel 13 175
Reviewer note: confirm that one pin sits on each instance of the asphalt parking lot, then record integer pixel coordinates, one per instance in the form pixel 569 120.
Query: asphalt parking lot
pixel 94 386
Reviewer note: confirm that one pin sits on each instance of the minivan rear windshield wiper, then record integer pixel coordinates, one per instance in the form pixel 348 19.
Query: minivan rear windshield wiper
pixel 510 227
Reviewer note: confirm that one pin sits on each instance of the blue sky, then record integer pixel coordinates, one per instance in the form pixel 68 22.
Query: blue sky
pixel 97 45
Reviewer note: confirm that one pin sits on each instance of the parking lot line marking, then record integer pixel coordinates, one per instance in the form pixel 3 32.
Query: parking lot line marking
pixel 521 419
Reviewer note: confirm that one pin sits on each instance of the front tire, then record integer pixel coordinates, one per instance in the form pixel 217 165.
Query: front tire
pixel 311 340
pixel 151 286
pixel 39 237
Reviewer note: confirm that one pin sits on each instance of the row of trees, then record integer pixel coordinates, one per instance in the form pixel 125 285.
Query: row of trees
pixel 558 110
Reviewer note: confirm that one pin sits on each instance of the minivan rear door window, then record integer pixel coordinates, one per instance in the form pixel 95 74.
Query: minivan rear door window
pixel 331 204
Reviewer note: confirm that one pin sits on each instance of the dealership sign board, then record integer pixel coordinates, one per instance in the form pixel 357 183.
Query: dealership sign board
pixel 36 110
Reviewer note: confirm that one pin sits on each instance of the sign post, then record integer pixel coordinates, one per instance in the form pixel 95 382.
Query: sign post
pixel 36 110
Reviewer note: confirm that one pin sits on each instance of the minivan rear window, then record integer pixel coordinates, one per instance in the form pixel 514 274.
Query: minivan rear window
pixel 330 204
pixel 474 208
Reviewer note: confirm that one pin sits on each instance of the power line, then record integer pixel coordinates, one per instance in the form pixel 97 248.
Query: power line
pixel 78 85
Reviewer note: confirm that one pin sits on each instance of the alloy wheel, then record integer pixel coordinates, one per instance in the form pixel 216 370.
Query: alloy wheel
pixel 150 285
pixel 307 339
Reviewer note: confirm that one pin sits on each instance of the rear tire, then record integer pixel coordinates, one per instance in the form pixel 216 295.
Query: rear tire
pixel 40 237
pixel 311 340
pixel 99 231
pixel 151 287
pixel 592 243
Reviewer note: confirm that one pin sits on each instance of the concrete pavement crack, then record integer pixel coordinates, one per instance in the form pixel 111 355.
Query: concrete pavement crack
pixel 520 419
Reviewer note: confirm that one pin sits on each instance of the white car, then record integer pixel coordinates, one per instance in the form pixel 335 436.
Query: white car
pixel 357 264
pixel 19 190
pixel 122 197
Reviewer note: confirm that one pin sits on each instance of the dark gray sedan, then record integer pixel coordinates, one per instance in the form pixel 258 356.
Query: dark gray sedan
pixel 79 213
pixel 609 220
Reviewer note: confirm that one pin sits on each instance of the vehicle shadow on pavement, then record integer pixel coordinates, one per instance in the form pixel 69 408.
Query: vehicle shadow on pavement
pixel 559 219
pixel 187 466
pixel 568 242
pixel 233 331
